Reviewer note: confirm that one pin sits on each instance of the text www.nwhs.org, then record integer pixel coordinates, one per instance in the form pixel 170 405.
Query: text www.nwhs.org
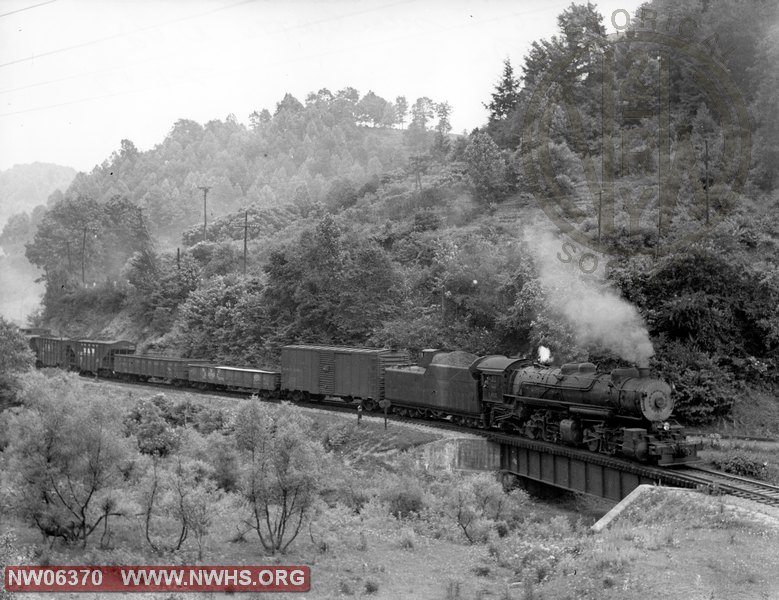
pixel 158 579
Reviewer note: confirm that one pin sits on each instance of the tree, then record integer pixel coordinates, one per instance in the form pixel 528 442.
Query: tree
pixel 288 103
pixel 442 128
pixel 505 96
pixel 15 353
pixel 417 135
pixel 66 457
pixel 478 503
pixel 15 356
pixel 282 465
pixel 152 432
pixel 371 109
pixel 225 319
pixel 257 119
pixel 330 286
pixel 422 112
pixel 180 490
pixel 401 109
pixel 486 168
pixel 18 231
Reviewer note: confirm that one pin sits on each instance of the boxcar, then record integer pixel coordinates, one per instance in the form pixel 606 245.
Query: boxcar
pixel 442 384
pixel 143 367
pixel 96 356
pixel 348 373
pixel 263 382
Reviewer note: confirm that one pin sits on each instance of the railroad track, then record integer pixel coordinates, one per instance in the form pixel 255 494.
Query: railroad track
pixel 329 405
pixel 741 487
pixel 686 476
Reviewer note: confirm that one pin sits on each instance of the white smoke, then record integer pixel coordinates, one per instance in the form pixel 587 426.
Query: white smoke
pixel 597 314
pixel 544 355
pixel 20 293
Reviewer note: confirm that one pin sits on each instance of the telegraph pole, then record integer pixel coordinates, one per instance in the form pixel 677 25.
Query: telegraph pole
pixel 205 189
pixel 706 161
pixel 83 255
pixel 600 212
pixel 245 226
pixel 245 236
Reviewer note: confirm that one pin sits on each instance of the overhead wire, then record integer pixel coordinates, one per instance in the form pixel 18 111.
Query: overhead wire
pixel 18 10
pixel 122 34
pixel 278 63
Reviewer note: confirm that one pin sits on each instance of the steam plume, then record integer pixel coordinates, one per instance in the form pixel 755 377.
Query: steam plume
pixel 595 311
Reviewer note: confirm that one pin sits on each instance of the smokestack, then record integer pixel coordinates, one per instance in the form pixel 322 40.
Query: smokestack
pixel 643 371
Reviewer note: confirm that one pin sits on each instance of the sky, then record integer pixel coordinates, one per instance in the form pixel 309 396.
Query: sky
pixel 78 76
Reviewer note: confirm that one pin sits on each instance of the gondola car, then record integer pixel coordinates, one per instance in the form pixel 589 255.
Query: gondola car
pixel 244 379
pixel 144 368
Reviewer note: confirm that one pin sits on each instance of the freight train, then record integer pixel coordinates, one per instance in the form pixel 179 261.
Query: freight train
pixel 624 412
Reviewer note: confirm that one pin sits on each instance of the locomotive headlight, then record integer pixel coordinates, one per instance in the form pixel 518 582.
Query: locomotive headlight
pixel 666 426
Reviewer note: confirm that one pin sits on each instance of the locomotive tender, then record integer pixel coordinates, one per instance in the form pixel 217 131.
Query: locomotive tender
pixel 625 412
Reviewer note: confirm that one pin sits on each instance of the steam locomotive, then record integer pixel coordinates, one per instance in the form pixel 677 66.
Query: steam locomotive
pixel 624 412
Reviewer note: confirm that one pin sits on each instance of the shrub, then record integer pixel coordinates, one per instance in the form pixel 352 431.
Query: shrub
pixel 739 463
pixel 223 458
pixel 337 436
pixel 148 423
pixel 403 498
pixel 703 390
pixel 407 539
pixel 210 419
pixel 371 586
pixel 182 414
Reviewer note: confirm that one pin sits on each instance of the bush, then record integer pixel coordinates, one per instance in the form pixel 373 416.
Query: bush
pixel 407 539
pixel 210 419
pixel 182 414
pixel 148 423
pixel 403 498
pixel 223 458
pixel 338 435
pixel 703 390
pixel 739 463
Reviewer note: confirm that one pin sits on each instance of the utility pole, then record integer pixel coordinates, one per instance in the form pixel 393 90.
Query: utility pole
pixel 178 259
pixel 600 211
pixel 83 255
pixel 706 162
pixel 659 226
pixel 70 264
pixel 245 236
pixel 205 189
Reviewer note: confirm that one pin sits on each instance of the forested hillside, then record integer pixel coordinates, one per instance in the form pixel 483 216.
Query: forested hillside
pixel 23 187
pixel 350 219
